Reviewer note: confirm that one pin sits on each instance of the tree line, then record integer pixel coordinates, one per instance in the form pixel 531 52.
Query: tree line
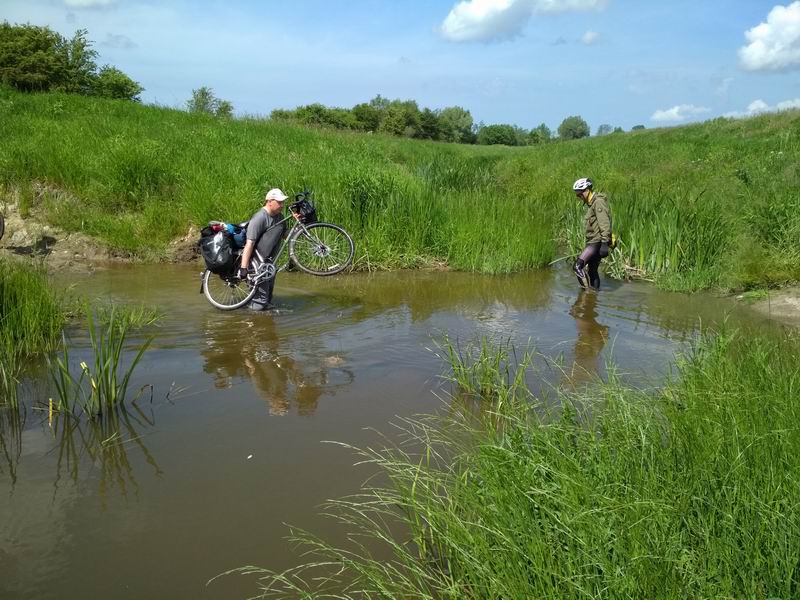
pixel 452 124
pixel 38 59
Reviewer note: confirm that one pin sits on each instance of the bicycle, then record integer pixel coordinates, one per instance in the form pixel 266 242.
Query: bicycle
pixel 317 248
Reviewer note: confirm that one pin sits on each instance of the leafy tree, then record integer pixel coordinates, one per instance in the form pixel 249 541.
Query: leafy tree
pixel 637 127
pixel 497 134
pixel 81 69
pixel 379 102
pixel 36 58
pixel 224 109
pixel 540 135
pixel 281 114
pixel 113 83
pixel 520 136
pixel 203 100
pixel 456 124
pixel 604 129
pixel 429 128
pixel 32 58
pixel 367 116
pixel 394 121
pixel 619 130
pixel 573 128
pixel 411 116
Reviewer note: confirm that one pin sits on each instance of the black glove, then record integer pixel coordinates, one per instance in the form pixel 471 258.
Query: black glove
pixel 242 273
pixel 603 249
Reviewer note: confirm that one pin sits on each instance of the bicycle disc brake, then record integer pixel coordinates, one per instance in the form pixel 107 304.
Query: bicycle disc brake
pixel 322 251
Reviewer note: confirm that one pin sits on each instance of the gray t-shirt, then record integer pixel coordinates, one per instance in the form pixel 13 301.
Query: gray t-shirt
pixel 259 223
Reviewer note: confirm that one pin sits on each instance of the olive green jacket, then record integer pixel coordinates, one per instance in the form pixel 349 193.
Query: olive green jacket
pixel 597 221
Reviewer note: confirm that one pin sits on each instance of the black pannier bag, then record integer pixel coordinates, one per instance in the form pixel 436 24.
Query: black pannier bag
pixel 306 210
pixel 217 250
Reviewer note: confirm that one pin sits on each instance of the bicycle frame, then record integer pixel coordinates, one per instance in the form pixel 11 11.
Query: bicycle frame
pixel 263 276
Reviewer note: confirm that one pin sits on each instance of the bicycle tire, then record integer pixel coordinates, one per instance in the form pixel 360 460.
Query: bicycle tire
pixel 321 249
pixel 2 226
pixel 226 296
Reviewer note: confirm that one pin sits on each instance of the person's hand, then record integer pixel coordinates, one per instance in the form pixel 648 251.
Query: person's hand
pixel 242 273
pixel 603 249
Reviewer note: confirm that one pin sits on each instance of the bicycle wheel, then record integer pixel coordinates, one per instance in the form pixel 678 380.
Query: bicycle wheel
pixel 227 293
pixel 321 249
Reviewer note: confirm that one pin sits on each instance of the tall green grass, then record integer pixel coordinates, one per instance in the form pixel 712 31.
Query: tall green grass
pixel 31 319
pixel 688 492
pixel 696 206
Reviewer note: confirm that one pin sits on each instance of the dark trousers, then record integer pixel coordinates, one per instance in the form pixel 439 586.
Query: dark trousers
pixel 267 246
pixel 591 257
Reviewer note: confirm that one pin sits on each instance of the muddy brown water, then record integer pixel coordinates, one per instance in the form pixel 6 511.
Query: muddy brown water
pixel 205 477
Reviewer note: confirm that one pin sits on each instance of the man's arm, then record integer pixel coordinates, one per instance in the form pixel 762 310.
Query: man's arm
pixel 247 253
pixel 603 222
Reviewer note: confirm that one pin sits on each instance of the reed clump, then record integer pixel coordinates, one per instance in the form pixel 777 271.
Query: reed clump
pixel 99 388
pixel 690 491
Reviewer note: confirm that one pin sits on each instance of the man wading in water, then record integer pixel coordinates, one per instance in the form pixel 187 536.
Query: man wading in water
pixel 597 224
pixel 264 232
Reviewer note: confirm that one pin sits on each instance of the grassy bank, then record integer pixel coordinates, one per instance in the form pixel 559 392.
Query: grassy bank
pixel 697 206
pixel 689 492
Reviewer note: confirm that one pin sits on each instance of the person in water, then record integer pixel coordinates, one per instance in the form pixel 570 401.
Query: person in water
pixel 597 224
pixel 264 232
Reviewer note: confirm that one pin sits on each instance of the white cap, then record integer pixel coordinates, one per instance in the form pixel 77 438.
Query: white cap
pixel 275 194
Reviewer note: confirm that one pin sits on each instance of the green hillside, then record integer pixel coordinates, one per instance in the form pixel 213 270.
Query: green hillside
pixel 706 205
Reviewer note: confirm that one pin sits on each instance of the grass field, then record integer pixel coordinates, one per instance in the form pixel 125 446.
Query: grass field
pixel 691 491
pixel 698 206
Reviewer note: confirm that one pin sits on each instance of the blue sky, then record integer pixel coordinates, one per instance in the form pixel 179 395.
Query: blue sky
pixel 620 62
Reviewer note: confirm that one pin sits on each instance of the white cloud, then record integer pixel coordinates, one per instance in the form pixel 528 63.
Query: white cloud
pixel 557 6
pixel 679 113
pixel 723 86
pixel 118 40
pixel 493 20
pixel 775 44
pixel 589 38
pixel 757 107
pixel 89 3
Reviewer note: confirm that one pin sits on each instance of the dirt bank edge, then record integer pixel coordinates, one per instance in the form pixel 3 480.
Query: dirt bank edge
pixel 29 237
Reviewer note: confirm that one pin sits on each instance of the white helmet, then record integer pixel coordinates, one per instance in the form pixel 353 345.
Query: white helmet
pixel 584 183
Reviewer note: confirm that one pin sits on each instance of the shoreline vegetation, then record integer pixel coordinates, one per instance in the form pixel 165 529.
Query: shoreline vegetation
pixel 711 205
pixel 33 317
pixel 689 491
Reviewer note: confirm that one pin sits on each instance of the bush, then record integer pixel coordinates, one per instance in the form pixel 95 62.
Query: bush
pixel 203 100
pixel 113 83
pixel 573 128
pixel 497 134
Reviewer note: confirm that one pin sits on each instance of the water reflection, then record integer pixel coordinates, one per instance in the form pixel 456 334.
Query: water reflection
pixel 12 422
pixel 280 374
pixel 591 339
pixel 80 446
pixel 103 443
